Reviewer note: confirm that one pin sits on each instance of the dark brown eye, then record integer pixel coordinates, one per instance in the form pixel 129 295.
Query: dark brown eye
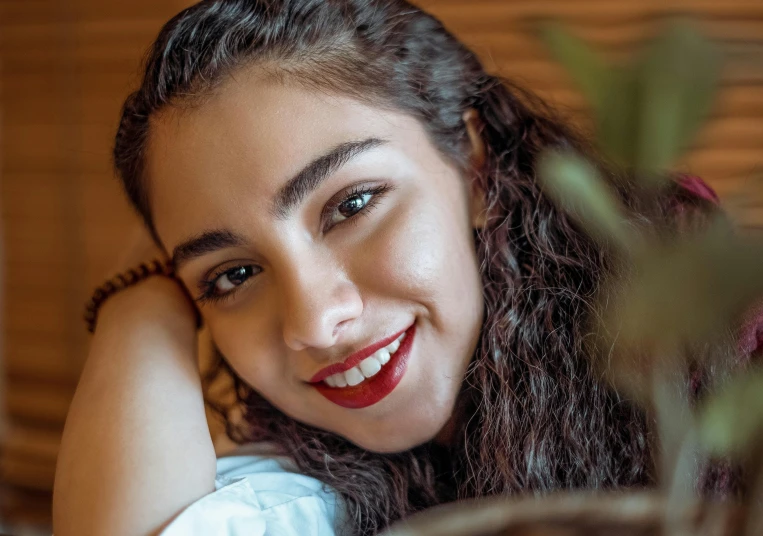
pixel 234 277
pixel 351 206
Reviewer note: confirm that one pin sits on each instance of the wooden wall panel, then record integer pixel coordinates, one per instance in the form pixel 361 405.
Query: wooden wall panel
pixel 66 66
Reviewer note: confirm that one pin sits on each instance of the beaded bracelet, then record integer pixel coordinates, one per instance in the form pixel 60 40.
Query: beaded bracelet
pixel 124 280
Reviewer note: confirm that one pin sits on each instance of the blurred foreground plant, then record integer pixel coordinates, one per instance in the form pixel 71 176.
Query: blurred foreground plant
pixel 682 291
pixel 666 314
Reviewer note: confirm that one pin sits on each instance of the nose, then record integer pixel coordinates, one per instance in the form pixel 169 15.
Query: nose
pixel 319 301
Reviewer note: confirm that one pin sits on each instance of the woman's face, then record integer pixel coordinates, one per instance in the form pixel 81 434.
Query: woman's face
pixel 327 242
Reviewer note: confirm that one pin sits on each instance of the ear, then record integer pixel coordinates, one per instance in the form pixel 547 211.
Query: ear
pixel 477 159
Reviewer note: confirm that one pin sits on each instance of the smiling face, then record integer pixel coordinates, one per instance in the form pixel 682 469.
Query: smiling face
pixel 312 229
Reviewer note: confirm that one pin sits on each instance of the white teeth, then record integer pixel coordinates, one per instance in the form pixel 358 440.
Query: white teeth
pixel 370 366
pixel 339 380
pixel 394 345
pixel 367 368
pixel 382 356
pixel 353 376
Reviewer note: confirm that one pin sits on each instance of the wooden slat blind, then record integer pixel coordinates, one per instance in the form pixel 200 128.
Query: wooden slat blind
pixel 68 64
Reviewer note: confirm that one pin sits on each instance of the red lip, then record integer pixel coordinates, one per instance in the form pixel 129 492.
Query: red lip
pixel 354 359
pixel 376 388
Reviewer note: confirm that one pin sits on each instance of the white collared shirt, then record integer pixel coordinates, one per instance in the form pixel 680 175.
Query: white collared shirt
pixel 257 494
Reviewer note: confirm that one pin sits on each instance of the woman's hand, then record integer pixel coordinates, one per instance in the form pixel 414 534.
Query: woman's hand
pixel 136 449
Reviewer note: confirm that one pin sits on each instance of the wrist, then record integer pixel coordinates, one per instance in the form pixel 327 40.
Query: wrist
pixel 158 300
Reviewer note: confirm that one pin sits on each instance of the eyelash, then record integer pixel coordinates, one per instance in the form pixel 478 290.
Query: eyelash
pixel 207 286
pixel 355 191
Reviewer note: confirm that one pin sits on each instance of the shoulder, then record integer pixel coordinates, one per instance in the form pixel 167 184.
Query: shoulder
pixel 260 494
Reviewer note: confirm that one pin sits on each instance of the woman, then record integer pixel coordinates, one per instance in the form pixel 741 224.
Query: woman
pixel 350 201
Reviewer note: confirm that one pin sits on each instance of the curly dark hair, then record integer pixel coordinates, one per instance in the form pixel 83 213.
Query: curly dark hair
pixel 534 416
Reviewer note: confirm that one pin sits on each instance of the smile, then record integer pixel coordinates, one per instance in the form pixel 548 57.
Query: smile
pixel 371 378
pixel 367 368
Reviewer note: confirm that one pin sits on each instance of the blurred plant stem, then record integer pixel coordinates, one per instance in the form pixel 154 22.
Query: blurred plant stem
pixel 678 292
pixel 678 440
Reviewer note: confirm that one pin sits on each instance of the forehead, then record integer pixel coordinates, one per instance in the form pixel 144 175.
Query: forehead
pixel 235 149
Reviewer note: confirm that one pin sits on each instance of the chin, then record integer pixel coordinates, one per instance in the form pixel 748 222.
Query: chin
pixel 400 441
pixel 391 445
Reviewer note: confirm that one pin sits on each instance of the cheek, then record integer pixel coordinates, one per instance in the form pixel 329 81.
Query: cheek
pixel 251 348
pixel 425 255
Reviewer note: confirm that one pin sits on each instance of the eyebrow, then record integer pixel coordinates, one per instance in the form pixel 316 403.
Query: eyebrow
pixel 313 174
pixel 204 243
pixel 289 196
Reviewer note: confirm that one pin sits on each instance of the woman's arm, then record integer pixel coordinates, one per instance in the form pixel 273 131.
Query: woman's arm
pixel 136 449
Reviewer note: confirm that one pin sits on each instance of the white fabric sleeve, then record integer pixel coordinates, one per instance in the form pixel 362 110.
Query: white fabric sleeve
pixel 260 496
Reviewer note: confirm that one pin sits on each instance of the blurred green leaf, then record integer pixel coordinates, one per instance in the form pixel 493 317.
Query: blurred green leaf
pixel 679 295
pixel 577 187
pixel 731 420
pixel 689 289
pixel 647 112
pixel 587 68
pixel 678 79
pixel 617 122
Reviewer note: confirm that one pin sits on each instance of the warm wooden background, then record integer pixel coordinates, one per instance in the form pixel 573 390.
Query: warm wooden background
pixel 68 64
